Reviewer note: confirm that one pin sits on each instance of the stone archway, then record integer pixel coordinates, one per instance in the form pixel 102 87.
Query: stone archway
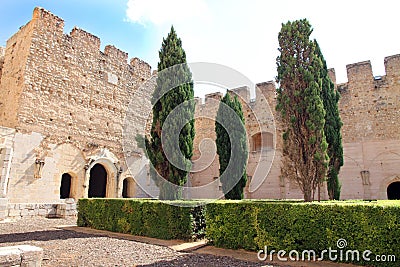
pixel 65 187
pixel 128 188
pixel 384 185
pixel 393 191
pixel 110 173
pixel 97 181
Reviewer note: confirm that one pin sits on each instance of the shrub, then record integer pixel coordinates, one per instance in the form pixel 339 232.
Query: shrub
pixel 150 218
pixel 252 225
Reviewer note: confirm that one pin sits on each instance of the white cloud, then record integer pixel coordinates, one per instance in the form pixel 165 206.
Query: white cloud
pixel 161 12
pixel 243 34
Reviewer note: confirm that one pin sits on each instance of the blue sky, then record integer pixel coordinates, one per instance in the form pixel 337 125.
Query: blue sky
pixel 241 34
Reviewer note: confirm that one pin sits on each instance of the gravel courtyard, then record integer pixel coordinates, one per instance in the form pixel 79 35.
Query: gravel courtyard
pixel 70 248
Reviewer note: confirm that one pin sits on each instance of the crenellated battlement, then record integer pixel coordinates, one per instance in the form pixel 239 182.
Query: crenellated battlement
pixel 197 101
pixel 116 53
pixel 46 19
pixel 208 99
pixel 141 67
pixel 332 75
pixel 360 74
pixel 269 85
pixel 84 38
pixel 361 71
pixel 46 22
pixel 41 13
pixel 45 68
pixel 369 105
pixel 267 89
pixel 392 65
pixel 264 89
pixel 41 49
pixel 243 92
pixel 213 96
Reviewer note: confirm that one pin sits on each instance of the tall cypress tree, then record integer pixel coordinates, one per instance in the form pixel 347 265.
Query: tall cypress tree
pixel 173 92
pixel 333 125
pixel 299 102
pixel 231 147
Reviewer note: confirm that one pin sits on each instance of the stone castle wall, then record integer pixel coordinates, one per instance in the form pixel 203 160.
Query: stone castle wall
pixel 370 111
pixel 370 106
pixel 264 143
pixel 64 84
pixel 64 102
pixel 205 160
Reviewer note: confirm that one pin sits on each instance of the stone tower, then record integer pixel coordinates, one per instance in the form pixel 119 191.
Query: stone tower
pixel 63 105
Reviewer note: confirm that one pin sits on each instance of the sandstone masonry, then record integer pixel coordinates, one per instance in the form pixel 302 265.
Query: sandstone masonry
pixel 70 114
pixel 370 111
pixel 63 105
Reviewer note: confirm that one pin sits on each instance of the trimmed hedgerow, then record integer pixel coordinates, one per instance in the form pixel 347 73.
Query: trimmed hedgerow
pixel 252 225
pixel 150 218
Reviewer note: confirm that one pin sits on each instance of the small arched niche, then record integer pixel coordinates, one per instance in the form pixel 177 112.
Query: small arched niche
pixel 128 188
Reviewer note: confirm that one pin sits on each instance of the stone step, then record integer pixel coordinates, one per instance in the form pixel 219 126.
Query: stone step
pixel 49 210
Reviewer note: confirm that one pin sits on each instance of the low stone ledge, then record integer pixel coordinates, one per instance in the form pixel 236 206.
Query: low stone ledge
pixel 49 210
pixel 21 256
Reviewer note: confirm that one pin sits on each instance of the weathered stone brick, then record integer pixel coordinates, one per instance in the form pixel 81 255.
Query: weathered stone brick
pixel 69 105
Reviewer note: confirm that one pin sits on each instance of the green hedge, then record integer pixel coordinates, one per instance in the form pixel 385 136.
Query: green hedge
pixel 150 218
pixel 252 225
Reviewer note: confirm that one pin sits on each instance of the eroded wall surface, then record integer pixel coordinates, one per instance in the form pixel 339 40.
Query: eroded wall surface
pixel 68 103
pixel 370 111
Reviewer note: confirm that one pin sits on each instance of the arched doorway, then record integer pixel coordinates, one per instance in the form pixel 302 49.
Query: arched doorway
pixel 65 187
pixel 128 188
pixel 393 191
pixel 97 181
